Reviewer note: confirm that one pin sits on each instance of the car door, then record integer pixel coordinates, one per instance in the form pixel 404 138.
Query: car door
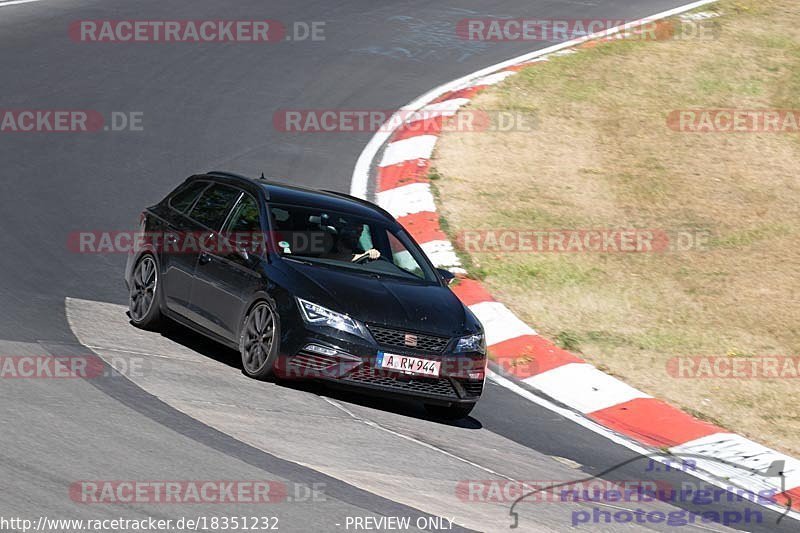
pixel 205 220
pixel 228 275
pixel 178 256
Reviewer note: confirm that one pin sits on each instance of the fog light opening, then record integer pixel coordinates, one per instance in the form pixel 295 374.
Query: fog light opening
pixel 320 349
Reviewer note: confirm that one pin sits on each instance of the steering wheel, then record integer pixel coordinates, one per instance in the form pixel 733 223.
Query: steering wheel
pixel 366 258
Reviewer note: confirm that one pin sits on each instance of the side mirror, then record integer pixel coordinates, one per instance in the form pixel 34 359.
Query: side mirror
pixel 446 275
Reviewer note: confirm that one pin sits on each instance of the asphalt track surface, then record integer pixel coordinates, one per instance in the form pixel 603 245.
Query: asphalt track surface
pixel 191 415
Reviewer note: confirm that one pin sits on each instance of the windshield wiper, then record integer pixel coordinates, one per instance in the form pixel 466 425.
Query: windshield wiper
pixel 301 261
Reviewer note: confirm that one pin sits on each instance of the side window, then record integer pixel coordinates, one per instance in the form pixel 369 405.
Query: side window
pixel 402 258
pixel 245 217
pixel 185 197
pixel 213 206
pixel 365 239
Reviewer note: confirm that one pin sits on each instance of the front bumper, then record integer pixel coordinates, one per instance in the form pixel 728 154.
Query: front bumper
pixel 345 360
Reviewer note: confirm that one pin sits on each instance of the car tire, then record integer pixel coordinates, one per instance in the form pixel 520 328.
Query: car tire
pixel 261 323
pixel 144 295
pixel 452 412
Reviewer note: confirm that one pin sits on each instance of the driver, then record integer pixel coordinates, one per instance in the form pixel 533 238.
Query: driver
pixel 347 246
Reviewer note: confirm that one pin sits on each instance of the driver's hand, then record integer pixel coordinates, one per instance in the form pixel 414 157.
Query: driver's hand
pixel 372 254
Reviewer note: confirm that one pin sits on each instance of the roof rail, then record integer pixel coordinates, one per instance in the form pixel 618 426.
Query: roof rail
pixel 227 174
pixel 222 173
pixel 361 201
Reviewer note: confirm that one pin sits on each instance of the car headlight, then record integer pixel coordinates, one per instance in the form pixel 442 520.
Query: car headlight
pixel 471 343
pixel 322 316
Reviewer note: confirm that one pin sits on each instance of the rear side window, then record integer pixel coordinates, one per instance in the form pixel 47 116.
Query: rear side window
pixel 213 206
pixel 185 197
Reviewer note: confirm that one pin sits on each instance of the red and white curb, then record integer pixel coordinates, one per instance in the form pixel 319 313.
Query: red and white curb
pixel 402 187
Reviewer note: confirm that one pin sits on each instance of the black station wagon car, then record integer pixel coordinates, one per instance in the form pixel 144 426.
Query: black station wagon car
pixel 307 284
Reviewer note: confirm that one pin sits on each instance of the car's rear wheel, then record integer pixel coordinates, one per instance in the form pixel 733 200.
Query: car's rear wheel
pixel 259 341
pixel 452 412
pixel 143 307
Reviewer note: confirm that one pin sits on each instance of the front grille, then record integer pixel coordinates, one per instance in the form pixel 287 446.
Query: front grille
pixel 435 386
pixel 397 338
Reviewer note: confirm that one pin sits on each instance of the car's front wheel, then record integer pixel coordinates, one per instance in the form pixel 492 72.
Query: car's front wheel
pixel 259 341
pixel 452 412
pixel 143 307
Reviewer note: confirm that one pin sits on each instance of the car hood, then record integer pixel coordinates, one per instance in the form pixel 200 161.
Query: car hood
pixel 386 301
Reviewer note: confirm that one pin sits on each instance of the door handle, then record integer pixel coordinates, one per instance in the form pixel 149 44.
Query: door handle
pixel 205 243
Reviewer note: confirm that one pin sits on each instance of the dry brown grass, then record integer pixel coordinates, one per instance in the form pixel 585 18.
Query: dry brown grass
pixel 603 157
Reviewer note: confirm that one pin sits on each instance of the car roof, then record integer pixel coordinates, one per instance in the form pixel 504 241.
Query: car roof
pixel 290 194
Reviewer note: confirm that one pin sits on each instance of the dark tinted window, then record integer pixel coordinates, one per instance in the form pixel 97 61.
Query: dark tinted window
pixel 213 205
pixel 245 217
pixel 342 240
pixel 185 197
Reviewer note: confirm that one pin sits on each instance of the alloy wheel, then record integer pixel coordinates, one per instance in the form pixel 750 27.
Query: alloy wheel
pixel 259 336
pixel 143 288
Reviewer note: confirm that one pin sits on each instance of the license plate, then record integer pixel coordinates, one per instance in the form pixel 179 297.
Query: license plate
pixel 408 365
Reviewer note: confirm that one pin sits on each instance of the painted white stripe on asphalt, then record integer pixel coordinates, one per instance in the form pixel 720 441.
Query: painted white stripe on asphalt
pixel 612 436
pixel 583 387
pixel 441 253
pixel 499 322
pixel 422 443
pixel 419 147
pixel 408 199
pixel 15 2
pixel 740 455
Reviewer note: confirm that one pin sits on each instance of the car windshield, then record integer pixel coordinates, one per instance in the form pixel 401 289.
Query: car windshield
pixel 345 240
